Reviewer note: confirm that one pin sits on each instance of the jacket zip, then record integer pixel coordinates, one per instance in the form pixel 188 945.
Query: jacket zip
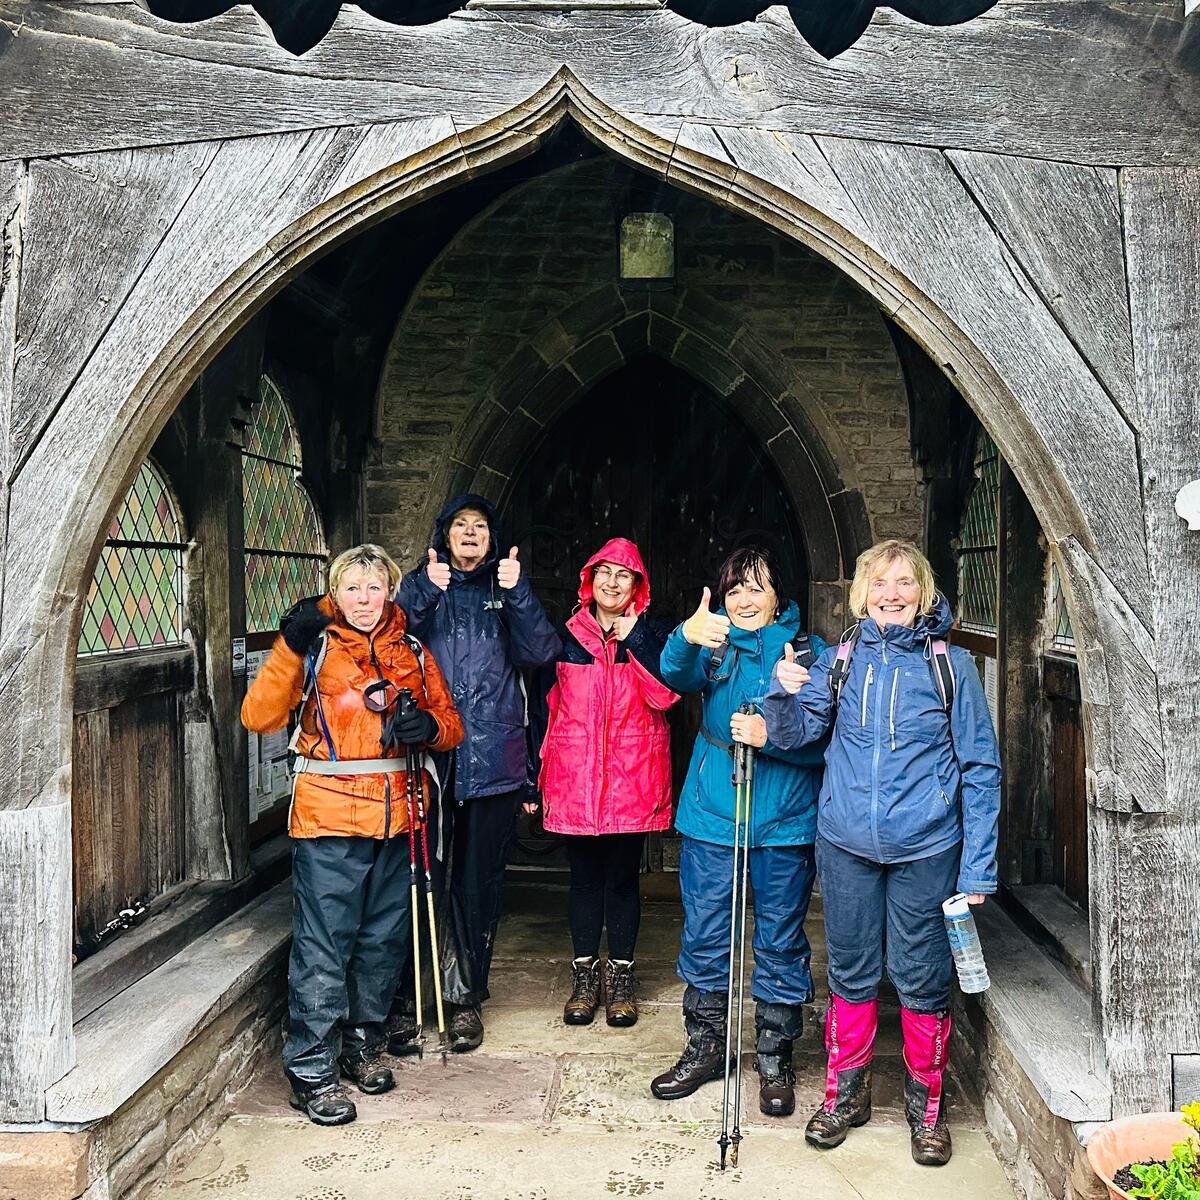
pixel 892 707
pixel 867 693
pixel 875 762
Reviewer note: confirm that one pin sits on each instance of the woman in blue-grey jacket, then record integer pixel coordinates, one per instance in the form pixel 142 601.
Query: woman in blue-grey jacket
pixel 908 816
pixel 728 656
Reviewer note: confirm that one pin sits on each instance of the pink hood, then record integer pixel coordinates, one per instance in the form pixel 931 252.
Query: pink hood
pixel 625 554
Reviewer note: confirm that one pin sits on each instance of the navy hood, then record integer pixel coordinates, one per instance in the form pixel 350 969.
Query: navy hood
pixel 454 506
pixel 935 624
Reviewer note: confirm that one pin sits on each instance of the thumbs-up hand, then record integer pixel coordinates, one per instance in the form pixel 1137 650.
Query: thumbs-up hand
pixel 789 672
pixel 623 626
pixel 705 627
pixel 438 572
pixel 508 570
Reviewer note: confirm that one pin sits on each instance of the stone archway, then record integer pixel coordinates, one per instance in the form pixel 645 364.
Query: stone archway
pixel 895 218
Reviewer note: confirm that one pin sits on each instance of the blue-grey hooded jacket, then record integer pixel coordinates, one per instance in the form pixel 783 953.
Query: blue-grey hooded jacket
pixel 481 634
pixel 784 800
pixel 903 779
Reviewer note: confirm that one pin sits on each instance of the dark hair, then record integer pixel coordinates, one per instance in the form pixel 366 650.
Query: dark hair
pixel 750 564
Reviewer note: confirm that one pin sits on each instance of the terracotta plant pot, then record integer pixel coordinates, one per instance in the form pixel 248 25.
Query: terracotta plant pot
pixel 1131 1140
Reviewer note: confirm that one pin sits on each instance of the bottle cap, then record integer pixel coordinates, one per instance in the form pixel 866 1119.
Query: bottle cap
pixel 956 906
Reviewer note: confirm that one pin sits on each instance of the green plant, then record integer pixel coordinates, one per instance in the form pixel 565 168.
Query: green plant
pixel 1179 1177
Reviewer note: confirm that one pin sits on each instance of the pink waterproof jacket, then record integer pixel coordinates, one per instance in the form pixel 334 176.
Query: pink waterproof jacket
pixel 606 762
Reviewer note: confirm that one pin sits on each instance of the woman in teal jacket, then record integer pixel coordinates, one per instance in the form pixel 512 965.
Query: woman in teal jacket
pixel 728 657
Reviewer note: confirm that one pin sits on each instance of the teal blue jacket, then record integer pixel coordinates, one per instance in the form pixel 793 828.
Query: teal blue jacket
pixel 786 782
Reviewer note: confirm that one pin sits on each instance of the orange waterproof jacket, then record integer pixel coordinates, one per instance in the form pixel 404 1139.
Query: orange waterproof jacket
pixel 349 805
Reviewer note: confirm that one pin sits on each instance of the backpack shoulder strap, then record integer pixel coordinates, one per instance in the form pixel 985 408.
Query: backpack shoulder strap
pixel 718 656
pixel 802 646
pixel 943 671
pixel 840 667
pixel 418 649
pixel 312 668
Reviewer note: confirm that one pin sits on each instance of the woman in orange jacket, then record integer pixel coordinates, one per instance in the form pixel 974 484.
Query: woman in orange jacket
pixel 343 658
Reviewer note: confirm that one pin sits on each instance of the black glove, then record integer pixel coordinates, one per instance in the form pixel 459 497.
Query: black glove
pixel 302 623
pixel 411 726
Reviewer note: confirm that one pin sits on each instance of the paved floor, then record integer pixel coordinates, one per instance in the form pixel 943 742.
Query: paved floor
pixel 543 1111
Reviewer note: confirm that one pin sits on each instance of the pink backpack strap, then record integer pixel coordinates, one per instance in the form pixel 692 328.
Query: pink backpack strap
pixel 943 671
pixel 840 667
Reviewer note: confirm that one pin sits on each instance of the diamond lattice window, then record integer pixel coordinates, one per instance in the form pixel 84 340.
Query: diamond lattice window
pixel 285 548
pixel 1062 636
pixel 977 551
pixel 135 600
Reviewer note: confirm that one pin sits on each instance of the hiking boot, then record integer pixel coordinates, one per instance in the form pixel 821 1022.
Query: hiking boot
pixel 466 1028
pixel 620 993
pixel 829 1125
pixel 403 1036
pixel 699 1063
pixel 776 1089
pixel 368 1074
pixel 580 1009
pixel 325 1106
pixel 931 1146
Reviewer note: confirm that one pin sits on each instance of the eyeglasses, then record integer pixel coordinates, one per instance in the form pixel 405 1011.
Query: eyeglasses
pixel 607 575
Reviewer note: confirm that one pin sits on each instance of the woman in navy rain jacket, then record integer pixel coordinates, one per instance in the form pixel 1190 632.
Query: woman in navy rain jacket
pixel 728 656
pixel 908 816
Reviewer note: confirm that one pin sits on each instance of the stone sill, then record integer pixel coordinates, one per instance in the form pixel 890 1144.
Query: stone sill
pixel 125 1042
pixel 1044 1019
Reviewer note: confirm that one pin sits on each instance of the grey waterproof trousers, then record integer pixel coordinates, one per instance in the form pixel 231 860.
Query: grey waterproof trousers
pixel 350 928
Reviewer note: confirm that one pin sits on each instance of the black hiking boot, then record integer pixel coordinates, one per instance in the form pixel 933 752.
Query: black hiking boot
pixel 403 1036
pixel 367 1073
pixel 931 1145
pixel 776 1087
pixel 776 1026
pixel 466 1029
pixel 580 1008
pixel 325 1106
pixel 828 1127
pixel 620 993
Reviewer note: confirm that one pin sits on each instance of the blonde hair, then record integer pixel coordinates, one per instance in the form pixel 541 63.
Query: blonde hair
pixel 368 556
pixel 873 562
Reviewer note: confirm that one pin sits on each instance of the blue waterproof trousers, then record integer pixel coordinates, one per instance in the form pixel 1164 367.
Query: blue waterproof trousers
pixel 782 880
pixel 864 901
pixel 350 929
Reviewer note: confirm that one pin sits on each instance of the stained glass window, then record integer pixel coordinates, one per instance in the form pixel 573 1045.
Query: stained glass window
pixel 977 550
pixel 285 548
pixel 135 600
pixel 1062 636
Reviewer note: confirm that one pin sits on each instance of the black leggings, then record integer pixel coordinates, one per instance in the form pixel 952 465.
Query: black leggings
pixel 604 890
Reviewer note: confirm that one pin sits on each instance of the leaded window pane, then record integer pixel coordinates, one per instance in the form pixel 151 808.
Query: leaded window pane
pixel 1063 637
pixel 978 555
pixel 135 600
pixel 285 547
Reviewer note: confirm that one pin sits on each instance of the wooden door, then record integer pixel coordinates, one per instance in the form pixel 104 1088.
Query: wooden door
pixel 1067 778
pixel 652 456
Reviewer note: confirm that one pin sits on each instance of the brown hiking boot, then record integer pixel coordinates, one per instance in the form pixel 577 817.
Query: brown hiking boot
pixel 620 993
pixel 776 1088
pixel 699 1063
pixel 931 1145
pixel 585 992
pixel 828 1127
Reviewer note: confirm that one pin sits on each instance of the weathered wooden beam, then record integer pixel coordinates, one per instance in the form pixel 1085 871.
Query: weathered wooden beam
pixel 12 218
pixel 1095 81
pixel 36 1045
pixel 108 680
pixel 1162 219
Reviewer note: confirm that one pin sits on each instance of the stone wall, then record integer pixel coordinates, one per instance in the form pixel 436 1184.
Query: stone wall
pixel 506 276
pixel 1041 1152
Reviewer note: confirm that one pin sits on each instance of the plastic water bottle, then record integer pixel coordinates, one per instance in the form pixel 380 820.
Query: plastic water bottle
pixel 964 944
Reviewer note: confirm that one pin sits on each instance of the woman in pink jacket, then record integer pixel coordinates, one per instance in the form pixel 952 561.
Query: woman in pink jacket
pixel 605 778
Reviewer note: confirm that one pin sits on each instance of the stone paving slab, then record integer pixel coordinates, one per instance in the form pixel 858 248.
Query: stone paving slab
pixel 286 1159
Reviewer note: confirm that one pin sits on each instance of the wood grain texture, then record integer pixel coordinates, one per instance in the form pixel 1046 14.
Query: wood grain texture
pixel 36 1045
pixel 94 222
pixel 1162 209
pixel 1063 225
pixel 169 1007
pixel 12 218
pixel 1094 81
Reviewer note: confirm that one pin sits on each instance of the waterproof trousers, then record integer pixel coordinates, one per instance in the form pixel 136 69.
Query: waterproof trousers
pixel 468 888
pixel 782 878
pixel 350 919
pixel 865 900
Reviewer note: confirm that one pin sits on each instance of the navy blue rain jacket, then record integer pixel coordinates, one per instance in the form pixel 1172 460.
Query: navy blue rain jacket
pixel 786 781
pixel 481 634
pixel 903 779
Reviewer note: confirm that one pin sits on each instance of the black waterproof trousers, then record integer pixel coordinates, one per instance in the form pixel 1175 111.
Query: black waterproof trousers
pixel 350 922
pixel 468 887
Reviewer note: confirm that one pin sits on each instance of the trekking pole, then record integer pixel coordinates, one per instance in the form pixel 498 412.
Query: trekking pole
pixel 412 903
pixel 747 789
pixel 739 767
pixel 435 956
